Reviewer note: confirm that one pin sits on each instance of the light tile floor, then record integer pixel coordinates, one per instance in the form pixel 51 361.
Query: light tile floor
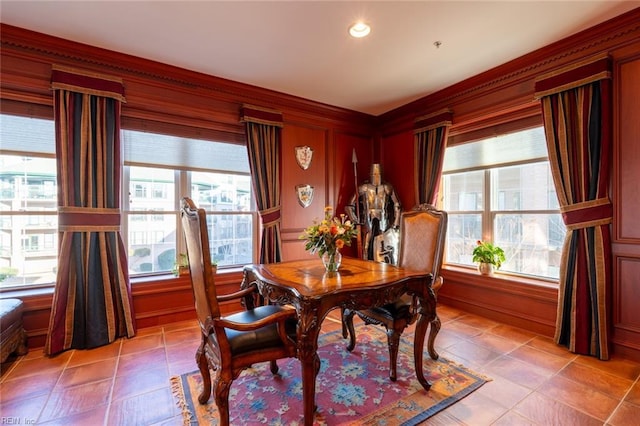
pixel 535 382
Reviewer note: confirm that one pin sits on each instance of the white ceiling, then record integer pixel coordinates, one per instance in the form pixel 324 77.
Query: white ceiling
pixel 303 48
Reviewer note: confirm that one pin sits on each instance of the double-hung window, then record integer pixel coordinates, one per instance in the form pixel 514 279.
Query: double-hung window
pixel 500 189
pixel 28 202
pixel 161 169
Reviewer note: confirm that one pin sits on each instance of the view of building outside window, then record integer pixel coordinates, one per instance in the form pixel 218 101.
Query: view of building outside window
pixel 29 229
pixel 512 205
pixel 151 226
pixel 153 217
pixel 498 189
pixel 28 202
pixel 159 171
pixel 151 220
pixel 227 200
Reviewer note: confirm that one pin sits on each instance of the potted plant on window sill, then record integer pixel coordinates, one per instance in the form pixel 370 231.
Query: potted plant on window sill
pixel 488 256
pixel 181 266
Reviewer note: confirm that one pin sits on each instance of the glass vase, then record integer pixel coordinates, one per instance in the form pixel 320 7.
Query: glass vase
pixel 332 260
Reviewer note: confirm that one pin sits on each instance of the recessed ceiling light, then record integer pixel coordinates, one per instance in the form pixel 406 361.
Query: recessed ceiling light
pixel 359 29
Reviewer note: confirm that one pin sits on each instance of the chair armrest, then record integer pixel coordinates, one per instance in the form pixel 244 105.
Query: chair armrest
pixel 278 317
pixel 238 294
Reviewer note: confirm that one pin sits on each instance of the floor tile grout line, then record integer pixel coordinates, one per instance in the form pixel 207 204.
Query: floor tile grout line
pixel 333 322
pixel 53 388
pixel 624 397
pixel 168 367
pixel 107 413
pixel 579 408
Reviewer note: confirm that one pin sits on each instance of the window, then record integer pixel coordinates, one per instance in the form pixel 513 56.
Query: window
pixel 500 189
pixel 159 170
pixel 28 202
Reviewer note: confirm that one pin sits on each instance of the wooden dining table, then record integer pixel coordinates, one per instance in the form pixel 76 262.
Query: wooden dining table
pixel 359 284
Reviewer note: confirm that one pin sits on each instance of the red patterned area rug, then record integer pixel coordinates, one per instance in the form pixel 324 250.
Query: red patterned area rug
pixel 352 388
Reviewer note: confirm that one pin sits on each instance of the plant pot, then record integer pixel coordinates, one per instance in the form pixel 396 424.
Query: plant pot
pixel 485 268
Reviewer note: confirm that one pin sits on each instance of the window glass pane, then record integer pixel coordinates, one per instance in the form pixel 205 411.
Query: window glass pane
pixel 152 242
pixel 152 189
pixel 523 187
pixel 523 215
pixel 154 235
pixel 532 243
pixel 463 230
pixel 464 191
pixel 29 221
pixel 230 238
pixel 230 235
pixel 152 218
pixel 221 192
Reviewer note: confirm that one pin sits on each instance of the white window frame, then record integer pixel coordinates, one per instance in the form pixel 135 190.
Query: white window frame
pixel 24 143
pixel 182 182
pixel 489 214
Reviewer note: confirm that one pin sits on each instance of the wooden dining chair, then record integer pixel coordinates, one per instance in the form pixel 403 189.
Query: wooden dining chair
pixel 422 236
pixel 234 342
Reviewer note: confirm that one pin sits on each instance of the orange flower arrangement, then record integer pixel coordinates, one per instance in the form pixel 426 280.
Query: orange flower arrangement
pixel 330 234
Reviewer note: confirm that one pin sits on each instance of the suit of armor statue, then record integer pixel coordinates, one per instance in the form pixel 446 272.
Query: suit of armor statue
pixel 379 211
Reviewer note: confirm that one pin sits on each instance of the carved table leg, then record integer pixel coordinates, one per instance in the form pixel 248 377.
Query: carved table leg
pixel 308 332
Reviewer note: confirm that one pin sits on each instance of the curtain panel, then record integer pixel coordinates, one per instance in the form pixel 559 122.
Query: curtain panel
pixel 263 131
pixel 92 303
pixel 430 135
pixel 576 105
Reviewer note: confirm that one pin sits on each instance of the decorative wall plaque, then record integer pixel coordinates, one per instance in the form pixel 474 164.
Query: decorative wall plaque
pixel 303 156
pixel 305 195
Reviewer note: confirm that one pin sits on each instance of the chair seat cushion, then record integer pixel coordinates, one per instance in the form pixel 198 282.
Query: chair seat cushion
pixel 12 336
pixel 10 313
pixel 401 308
pixel 265 337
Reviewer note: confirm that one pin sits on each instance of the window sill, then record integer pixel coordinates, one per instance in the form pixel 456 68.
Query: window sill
pixel 20 293
pixel 470 281
pixel 144 281
pixel 500 277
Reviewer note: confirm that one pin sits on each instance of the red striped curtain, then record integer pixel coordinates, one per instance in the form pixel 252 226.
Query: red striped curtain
pixel 576 106
pixel 92 299
pixel 431 132
pixel 263 128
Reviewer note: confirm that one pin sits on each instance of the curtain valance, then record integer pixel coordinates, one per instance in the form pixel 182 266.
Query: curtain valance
pixel 260 115
pixel 574 75
pixel 442 118
pixel 81 81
